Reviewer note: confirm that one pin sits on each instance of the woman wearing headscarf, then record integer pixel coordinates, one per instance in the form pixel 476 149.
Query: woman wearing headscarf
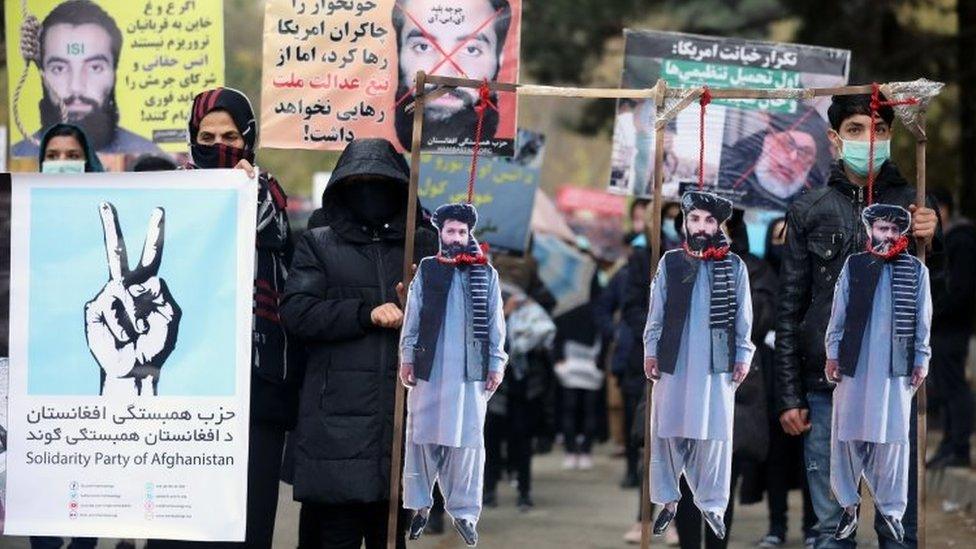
pixel 65 148
pixel 223 134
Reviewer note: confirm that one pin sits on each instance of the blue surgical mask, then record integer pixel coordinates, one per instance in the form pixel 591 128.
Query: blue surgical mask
pixel 856 153
pixel 63 166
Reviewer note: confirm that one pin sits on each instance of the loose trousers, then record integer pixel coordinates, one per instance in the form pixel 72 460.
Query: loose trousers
pixel 706 464
pixel 458 471
pixel 884 467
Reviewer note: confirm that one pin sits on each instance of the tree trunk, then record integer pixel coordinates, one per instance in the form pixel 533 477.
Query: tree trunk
pixel 966 13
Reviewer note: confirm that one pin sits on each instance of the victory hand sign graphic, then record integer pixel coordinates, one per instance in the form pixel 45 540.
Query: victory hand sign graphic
pixel 132 324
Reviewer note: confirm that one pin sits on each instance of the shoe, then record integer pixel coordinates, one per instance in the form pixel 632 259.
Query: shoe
pixel 630 480
pixel 716 522
pixel 490 499
pixel 525 503
pixel 467 531
pixel 895 527
pixel 847 525
pixel 809 542
pixel 418 523
pixel 664 519
pixel 570 462
pixel 633 536
pixel 771 540
pixel 585 462
pixel 435 523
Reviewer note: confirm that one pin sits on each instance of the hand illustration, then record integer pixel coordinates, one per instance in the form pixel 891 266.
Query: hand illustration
pixel 131 325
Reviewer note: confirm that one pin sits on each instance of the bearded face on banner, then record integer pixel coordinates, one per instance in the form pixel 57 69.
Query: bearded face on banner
pixel 704 215
pixel 887 227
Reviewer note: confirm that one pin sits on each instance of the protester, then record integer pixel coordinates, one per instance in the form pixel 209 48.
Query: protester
pixel 65 149
pixel 153 163
pixel 952 328
pixel 823 230
pixel 223 134
pixel 621 339
pixel 514 410
pixel 576 351
pixel 783 469
pixel 341 301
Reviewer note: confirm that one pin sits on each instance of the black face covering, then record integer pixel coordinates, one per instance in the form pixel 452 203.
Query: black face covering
pixel 218 156
pixel 374 201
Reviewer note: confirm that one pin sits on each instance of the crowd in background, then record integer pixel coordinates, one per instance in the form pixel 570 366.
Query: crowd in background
pixel 342 302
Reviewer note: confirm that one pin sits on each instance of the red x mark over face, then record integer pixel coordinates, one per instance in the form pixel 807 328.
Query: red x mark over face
pixel 436 33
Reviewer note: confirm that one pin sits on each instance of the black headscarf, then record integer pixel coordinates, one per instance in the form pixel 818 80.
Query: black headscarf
pixel 235 104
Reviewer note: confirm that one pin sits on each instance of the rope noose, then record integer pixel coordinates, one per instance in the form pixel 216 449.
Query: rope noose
pixel 484 101
pixel 876 105
pixel 706 98
pixel 19 89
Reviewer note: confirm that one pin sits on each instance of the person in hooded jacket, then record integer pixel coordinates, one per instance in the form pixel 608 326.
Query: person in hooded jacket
pixel 342 300
pixel 223 134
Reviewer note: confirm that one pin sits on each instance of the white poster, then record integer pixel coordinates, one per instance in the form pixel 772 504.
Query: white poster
pixel 130 354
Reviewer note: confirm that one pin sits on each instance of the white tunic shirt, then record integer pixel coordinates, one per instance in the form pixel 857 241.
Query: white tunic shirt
pixel 874 406
pixel 447 410
pixel 694 402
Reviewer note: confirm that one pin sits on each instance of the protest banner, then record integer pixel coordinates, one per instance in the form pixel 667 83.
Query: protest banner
pixel 337 71
pixel 566 272
pixel 130 372
pixel 758 152
pixel 596 215
pixel 143 62
pixel 504 192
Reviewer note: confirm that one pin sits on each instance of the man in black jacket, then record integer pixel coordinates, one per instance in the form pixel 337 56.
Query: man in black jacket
pixel 823 229
pixel 952 328
pixel 341 300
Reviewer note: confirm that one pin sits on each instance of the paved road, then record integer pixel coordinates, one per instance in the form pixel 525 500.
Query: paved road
pixel 586 510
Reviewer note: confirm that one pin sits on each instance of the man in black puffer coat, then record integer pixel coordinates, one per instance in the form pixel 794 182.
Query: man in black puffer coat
pixel 341 302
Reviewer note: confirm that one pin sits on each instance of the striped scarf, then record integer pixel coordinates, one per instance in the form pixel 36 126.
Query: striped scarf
pixel 479 293
pixel 904 290
pixel 723 304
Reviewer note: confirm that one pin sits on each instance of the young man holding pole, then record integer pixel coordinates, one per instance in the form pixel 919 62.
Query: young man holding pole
pixel 824 228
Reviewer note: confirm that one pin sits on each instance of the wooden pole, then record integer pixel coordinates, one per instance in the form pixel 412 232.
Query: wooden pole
pixel 396 459
pixel 647 93
pixel 655 242
pixel 921 400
